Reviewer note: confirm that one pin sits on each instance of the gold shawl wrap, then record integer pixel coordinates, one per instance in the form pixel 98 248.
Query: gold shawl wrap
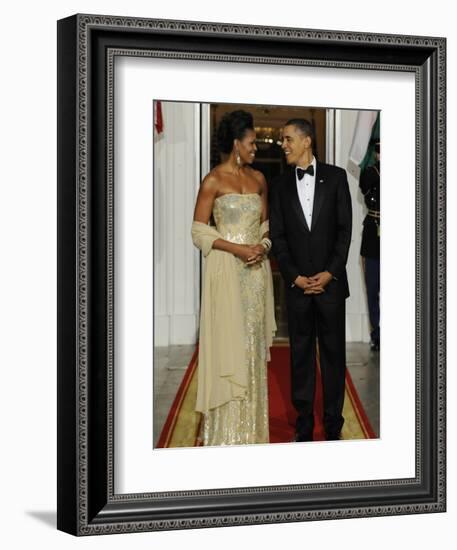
pixel 222 368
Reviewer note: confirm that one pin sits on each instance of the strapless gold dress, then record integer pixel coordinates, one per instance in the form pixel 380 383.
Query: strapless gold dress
pixel 244 421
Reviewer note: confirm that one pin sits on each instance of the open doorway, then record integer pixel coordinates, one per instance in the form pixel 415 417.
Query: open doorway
pixel 269 121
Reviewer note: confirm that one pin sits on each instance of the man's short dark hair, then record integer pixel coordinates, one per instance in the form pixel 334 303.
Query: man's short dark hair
pixel 303 126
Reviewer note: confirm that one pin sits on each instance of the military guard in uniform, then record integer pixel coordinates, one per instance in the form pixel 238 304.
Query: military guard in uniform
pixel 369 185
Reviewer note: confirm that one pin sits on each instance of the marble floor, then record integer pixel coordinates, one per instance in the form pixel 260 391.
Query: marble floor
pixel 170 364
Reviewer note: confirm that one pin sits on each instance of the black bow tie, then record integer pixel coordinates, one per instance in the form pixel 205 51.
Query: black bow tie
pixel 301 172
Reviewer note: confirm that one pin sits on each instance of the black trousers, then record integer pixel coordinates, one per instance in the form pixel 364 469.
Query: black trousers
pixel 372 276
pixel 312 317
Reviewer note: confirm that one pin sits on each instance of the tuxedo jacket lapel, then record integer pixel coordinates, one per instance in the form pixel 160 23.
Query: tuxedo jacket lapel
pixel 319 194
pixel 294 199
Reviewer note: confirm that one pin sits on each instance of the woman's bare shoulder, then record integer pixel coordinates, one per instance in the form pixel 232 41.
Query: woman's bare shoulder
pixel 257 174
pixel 259 177
pixel 212 180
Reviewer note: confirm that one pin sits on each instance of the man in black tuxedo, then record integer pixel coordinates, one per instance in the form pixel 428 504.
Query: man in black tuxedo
pixel 310 227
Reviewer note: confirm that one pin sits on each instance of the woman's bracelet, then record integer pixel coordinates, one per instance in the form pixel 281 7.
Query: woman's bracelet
pixel 266 243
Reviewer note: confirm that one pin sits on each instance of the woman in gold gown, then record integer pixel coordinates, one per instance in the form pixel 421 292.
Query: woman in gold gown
pixel 237 316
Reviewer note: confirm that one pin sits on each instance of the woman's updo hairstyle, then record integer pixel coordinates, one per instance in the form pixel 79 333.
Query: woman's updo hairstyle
pixel 233 126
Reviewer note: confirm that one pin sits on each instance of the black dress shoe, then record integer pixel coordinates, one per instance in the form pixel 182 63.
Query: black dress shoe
pixel 333 436
pixel 303 437
pixel 374 346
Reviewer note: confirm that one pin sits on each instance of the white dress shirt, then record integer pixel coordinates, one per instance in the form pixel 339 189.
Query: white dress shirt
pixel 305 188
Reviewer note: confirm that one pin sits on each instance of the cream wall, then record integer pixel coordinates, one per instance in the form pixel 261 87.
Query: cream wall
pixel 176 260
pixel 357 323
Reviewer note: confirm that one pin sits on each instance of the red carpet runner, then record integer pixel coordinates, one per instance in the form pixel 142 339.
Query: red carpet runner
pixel 182 424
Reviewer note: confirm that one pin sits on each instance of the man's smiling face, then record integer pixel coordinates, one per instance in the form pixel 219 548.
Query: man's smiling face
pixel 294 144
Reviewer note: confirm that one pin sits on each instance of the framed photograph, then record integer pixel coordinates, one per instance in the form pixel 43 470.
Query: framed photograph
pixel 141 104
pixel 177 361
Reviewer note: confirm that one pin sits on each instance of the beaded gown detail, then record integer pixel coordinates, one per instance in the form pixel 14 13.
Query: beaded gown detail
pixel 244 421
